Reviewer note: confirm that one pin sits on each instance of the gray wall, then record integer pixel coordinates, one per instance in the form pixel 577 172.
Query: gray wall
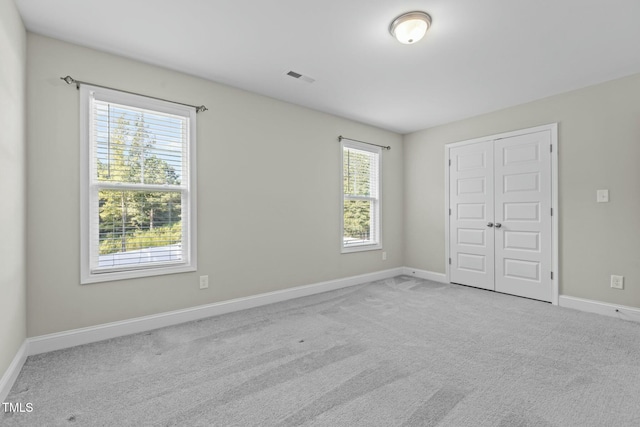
pixel 12 179
pixel 269 177
pixel 599 148
pixel 266 220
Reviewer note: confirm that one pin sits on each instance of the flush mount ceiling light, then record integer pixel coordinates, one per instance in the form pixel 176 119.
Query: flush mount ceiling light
pixel 410 27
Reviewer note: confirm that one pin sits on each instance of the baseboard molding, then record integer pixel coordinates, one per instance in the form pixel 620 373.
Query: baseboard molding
pixel 67 339
pixel 72 338
pixel 12 372
pixel 612 310
pixel 424 274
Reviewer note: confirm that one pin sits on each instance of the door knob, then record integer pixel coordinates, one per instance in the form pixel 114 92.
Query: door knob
pixel 490 224
pixel 498 225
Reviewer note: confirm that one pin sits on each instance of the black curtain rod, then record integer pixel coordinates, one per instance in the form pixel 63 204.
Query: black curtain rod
pixel 386 147
pixel 70 80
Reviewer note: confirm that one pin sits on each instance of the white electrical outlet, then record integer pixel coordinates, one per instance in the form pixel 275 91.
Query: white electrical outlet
pixel 602 196
pixel 204 282
pixel 617 282
pixel 384 256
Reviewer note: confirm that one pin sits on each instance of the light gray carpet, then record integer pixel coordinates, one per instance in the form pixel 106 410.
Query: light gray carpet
pixel 398 352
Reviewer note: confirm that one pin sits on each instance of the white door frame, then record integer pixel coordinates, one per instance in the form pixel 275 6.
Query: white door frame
pixel 553 128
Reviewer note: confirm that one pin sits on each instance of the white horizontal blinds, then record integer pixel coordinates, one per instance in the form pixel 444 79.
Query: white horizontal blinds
pixel 361 195
pixel 138 146
pixel 140 187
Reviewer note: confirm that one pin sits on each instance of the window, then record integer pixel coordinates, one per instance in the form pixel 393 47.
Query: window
pixel 361 197
pixel 137 186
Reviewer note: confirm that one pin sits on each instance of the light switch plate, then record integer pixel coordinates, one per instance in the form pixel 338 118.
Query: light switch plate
pixel 602 196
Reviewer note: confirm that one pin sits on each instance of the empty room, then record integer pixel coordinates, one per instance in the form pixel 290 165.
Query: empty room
pixel 337 213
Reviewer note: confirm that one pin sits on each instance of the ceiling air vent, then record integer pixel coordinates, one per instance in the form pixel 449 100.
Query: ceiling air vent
pixel 300 77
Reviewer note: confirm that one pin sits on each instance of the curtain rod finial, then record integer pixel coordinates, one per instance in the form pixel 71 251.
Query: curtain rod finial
pixel 201 108
pixel 68 79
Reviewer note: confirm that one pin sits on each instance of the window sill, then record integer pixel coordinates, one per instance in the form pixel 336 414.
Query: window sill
pixel 87 278
pixel 361 248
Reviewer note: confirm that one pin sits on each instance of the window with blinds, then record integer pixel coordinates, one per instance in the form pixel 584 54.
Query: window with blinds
pixel 138 186
pixel 361 197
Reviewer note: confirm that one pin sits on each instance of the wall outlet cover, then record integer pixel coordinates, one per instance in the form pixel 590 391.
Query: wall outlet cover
pixel 617 282
pixel 204 282
pixel 602 196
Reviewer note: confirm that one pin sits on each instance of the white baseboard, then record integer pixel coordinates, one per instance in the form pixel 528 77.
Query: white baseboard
pixel 72 338
pixel 12 372
pixel 598 307
pixel 424 274
pixel 61 340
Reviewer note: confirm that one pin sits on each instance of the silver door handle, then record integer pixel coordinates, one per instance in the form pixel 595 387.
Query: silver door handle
pixel 490 224
pixel 498 225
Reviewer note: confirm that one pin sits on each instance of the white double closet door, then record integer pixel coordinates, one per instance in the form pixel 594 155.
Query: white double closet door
pixel 500 226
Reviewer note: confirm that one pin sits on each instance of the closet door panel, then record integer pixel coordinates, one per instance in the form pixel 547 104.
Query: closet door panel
pixel 471 202
pixel 523 211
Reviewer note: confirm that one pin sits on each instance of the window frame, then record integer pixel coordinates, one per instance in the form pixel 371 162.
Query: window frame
pixel 377 200
pixel 89 189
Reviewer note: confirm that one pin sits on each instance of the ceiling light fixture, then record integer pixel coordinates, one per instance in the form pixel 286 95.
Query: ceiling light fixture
pixel 410 27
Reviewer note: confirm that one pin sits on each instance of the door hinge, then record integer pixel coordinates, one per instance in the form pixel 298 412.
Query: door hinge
pixel 449 211
pixel 449 261
pixel 552 275
pixel 551 148
pixel 449 162
pixel 551 211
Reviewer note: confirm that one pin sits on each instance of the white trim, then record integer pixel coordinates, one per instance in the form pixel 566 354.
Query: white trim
pixel 376 201
pixel 555 257
pixel 555 222
pixel 135 273
pixel 361 248
pixel 61 340
pixel 85 162
pixel 72 338
pixel 12 372
pixel 447 215
pixel 607 309
pixel 88 195
pixel 425 274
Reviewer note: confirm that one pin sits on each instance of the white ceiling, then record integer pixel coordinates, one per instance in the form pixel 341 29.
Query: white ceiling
pixel 479 55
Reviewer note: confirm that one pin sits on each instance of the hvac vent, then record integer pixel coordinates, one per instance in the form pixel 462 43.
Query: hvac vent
pixel 300 77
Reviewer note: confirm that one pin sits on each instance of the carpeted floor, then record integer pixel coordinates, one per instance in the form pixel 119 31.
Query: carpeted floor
pixel 398 352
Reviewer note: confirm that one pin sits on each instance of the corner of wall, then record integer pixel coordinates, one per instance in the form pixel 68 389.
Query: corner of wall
pixel 13 214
